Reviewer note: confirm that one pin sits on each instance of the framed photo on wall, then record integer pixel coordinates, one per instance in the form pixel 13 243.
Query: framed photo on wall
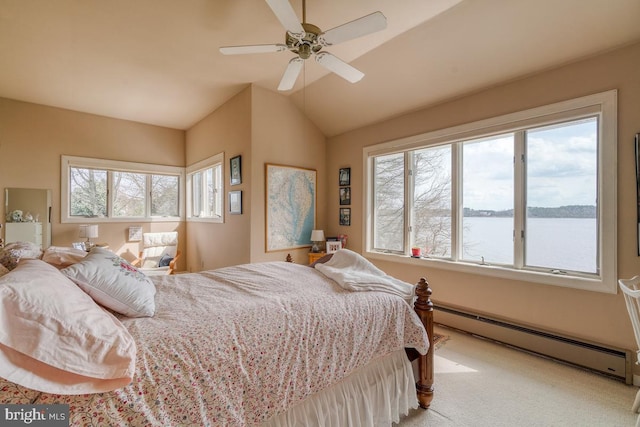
pixel 235 202
pixel 345 195
pixel 135 233
pixel 345 216
pixel 344 177
pixel 235 168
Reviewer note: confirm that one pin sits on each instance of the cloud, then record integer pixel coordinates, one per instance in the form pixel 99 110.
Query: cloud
pixel 561 168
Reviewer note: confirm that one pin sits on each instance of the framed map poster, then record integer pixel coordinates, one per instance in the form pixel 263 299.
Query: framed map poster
pixel 290 207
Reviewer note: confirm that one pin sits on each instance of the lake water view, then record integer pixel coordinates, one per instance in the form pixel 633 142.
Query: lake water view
pixel 557 243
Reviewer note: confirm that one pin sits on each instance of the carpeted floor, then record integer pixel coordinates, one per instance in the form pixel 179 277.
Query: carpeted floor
pixel 482 383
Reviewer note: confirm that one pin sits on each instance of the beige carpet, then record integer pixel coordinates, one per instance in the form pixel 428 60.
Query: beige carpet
pixel 481 383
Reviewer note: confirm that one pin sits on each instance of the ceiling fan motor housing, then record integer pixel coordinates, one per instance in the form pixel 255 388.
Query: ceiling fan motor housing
pixel 307 43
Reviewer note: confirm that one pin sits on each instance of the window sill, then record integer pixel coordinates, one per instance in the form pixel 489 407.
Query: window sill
pixel 588 283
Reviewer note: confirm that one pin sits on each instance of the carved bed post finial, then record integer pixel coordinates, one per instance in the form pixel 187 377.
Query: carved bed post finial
pixel 424 308
pixel 289 259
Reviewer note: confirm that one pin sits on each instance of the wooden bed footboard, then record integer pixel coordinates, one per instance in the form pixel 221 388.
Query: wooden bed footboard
pixel 424 308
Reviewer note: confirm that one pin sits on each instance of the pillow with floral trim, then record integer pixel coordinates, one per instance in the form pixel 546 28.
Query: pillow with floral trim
pixel 13 252
pixel 114 283
pixel 55 338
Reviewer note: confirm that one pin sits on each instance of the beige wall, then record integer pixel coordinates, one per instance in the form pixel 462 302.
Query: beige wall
pixel 263 127
pixel 228 130
pixel 282 135
pixel 33 137
pixel 589 315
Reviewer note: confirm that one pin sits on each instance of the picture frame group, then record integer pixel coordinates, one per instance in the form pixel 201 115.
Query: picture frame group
pixel 344 190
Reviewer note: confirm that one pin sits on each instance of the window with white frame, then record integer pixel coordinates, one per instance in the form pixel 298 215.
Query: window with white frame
pixel 99 190
pixel 205 188
pixel 528 196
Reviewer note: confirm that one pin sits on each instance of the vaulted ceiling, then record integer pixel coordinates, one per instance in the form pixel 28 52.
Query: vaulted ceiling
pixel 157 61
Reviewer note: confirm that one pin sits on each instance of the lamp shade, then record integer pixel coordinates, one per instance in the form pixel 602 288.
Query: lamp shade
pixel 89 231
pixel 317 235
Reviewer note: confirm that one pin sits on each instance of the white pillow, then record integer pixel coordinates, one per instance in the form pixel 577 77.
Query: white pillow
pixel 62 255
pixel 54 338
pixel 114 283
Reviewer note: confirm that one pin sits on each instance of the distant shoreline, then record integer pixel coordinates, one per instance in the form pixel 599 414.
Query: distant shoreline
pixel 569 211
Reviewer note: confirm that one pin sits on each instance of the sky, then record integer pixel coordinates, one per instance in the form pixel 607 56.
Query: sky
pixel 561 168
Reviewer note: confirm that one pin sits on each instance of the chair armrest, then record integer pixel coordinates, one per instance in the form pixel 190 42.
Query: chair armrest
pixel 138 261
pixel 172 263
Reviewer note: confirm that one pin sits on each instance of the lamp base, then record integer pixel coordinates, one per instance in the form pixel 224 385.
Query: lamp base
pixel 315 247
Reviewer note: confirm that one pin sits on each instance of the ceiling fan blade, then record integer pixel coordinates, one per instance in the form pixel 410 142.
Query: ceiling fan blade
pixel 291 74
pixel 257 48
pixel 354 29
pixel 286 15
pixel 339 67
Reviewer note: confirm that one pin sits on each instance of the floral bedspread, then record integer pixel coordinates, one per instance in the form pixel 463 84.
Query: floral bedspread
pixel 237 345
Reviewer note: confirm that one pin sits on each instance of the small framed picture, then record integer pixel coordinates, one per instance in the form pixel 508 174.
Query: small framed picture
pixel 235 167
pixel 235 202
pixel 333 246
pixel 345 195
pixel 345 216
pixel 135 233
pixel 345 176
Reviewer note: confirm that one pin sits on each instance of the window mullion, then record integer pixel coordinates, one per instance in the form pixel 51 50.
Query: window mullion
pixel 110 194
pixel 148 196
pixel 410 172
pixel 456 201
pixel 519 199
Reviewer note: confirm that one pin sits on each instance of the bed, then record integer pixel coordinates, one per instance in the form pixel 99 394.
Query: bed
pixel 271 343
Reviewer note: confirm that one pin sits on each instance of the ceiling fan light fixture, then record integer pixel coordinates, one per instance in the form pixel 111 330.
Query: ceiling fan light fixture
pixel 305 40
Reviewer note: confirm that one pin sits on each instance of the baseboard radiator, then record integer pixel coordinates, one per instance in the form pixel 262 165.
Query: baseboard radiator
pixel 613 362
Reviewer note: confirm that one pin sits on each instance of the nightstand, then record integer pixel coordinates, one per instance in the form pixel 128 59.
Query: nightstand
pixel 314 256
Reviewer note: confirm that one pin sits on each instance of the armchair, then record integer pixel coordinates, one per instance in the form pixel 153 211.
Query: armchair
pixel 159 253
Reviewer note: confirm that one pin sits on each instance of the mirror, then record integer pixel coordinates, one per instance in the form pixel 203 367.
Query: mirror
pixel 27 215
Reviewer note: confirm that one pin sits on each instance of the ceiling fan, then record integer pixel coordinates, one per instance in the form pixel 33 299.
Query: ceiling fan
pixel 306 40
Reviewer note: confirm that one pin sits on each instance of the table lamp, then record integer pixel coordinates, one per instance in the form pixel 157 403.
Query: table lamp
pixel 90 232
pixel 317 237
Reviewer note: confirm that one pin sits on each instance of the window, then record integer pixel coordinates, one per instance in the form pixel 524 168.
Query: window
pixel 527 196
pixel 95 190
pixel 205 189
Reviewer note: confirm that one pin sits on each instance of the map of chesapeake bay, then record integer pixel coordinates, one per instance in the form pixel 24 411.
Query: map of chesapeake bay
pixel 291 205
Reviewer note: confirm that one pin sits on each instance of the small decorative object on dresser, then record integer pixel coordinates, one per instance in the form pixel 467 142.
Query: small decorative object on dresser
pixel 333 246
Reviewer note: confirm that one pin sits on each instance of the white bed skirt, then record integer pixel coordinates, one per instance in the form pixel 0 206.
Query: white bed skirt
pixel 375 395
